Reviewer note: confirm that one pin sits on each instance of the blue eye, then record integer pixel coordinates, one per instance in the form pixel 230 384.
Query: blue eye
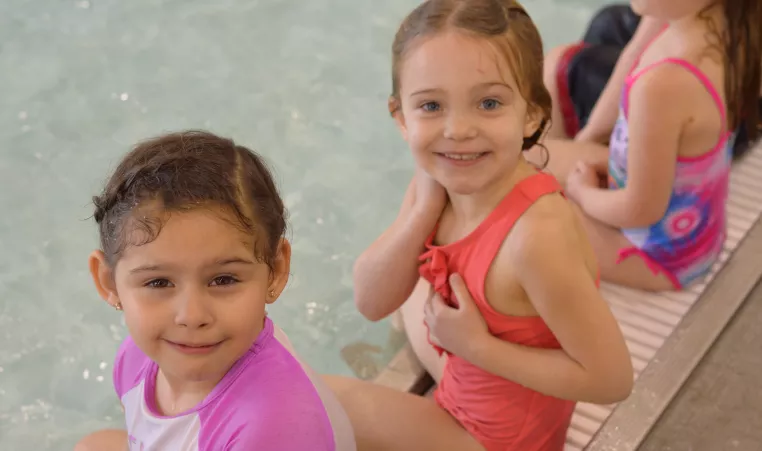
pixel 224 280
pixel 430 107
pixel 490 104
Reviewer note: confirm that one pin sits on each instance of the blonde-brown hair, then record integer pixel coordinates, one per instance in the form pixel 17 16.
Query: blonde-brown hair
pixel 504 23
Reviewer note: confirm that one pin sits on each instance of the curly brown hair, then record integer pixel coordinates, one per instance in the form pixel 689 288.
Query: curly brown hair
pixel 184 171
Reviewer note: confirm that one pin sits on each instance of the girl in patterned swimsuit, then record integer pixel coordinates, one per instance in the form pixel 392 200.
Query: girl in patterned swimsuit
pixel 659 222
pixel 488 261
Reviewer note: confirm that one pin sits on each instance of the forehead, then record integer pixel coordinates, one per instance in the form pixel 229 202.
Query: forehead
pixel 451 59
pixel 185 236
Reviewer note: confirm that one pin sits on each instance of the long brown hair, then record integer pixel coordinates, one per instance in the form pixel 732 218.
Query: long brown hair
pixel 743 63
pixel 504 22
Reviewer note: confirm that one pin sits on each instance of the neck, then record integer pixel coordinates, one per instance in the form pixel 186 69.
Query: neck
pixel 176 395
pixel 474 207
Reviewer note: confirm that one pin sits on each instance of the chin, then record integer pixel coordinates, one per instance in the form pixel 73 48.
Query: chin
pixel 637 7
pixel 463 187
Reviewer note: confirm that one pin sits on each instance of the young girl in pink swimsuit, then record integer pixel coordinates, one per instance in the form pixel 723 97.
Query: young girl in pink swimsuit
pixel 659 221
pixel 192 251
pixel 486 258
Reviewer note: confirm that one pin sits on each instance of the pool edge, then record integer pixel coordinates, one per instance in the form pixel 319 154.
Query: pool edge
pixel 632 420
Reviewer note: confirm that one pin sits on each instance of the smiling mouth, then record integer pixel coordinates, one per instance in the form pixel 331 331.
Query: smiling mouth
pixel 194 347
pixel 463 156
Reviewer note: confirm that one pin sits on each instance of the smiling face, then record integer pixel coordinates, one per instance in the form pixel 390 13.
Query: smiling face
pixel 194 297
pixel 462 113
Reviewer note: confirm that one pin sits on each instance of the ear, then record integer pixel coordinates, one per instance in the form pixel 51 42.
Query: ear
pixel 281 270
pixel 395 109
pixel 103 277
pixel 533 121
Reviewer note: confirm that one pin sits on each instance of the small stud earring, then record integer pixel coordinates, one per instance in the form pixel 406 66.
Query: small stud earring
pixel 118 306
pixel 272 293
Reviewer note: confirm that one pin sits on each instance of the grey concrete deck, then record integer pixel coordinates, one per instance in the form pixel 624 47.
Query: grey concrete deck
pixel 720 406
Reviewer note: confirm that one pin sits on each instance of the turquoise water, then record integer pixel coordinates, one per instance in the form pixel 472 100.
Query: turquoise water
pixel 305 83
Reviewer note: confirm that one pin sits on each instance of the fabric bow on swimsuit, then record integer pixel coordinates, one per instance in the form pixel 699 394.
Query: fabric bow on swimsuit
pixel 434 270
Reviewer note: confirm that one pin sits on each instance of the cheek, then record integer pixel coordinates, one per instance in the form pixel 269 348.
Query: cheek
pixel 421 134
pixel 144 320
pixel 245 315
pixel 508 131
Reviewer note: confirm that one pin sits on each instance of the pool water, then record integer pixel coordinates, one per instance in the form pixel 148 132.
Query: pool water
pixel 304 83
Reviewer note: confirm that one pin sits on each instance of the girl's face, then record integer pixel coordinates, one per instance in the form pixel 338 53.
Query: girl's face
pixel 194 298
pixel 668 9
pixel 461 111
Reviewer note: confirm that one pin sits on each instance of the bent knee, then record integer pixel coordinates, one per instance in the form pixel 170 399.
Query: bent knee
pixel 550 67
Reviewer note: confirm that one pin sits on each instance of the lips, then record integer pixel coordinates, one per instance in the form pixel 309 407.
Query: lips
pixel 194 348
pixel 470 156
pixel 193 345
pixel 462 159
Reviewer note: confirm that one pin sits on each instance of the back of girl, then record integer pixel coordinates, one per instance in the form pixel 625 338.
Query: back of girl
pixel 192 251
pixel 493 271
pixel 659 223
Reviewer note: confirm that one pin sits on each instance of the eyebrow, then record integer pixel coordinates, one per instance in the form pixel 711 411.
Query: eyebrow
pixel 479 86
pixel 221 262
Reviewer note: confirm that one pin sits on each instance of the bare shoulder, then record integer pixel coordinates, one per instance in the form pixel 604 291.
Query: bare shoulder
pixel 546 240
pixel 549 229
pixel 549 218
pixel 666 83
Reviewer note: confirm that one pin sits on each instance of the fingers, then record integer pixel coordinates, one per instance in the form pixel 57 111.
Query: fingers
pixel 428 309
pixel 460 290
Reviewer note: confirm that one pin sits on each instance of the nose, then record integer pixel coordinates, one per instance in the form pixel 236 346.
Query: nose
pixel 459 126
pixel 191 309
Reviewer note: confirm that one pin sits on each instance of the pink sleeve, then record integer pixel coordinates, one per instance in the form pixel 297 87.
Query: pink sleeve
pixel 130 366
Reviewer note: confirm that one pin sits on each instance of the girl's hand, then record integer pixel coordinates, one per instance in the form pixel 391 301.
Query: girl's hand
pixel 582 176
pixel 430 196
pixel 455 329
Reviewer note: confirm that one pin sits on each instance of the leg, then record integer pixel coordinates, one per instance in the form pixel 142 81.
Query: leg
pixel 385 419
pixel 105 440
pixel 562 156
pixel 417 334
pixel 633 272
pixel 576 74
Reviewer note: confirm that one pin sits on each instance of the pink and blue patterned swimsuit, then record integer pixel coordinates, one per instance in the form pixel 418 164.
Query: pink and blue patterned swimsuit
pixel 687 241
pixel 268 400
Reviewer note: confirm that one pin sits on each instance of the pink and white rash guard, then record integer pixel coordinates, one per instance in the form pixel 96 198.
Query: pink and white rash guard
pixel 268 401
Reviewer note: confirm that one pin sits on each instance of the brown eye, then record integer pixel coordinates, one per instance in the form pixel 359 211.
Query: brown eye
pixel 224 280
pixel 158 283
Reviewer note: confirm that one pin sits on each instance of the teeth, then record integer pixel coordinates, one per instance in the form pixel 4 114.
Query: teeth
pixel 463 156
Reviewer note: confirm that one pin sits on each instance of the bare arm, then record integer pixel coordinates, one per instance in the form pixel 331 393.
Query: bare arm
pixel 659 109
pixel 604 114
pixel 594 363
pixel 386 273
